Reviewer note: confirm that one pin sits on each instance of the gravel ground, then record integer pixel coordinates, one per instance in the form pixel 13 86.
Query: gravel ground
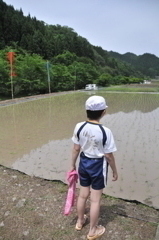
pixel 32 209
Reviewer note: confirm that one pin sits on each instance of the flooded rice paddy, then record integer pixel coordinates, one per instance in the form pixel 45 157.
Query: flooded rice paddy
pixel 35 138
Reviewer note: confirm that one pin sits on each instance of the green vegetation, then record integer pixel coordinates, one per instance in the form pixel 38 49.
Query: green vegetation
pixel 147 63
pixel 55 58
pixel 131 88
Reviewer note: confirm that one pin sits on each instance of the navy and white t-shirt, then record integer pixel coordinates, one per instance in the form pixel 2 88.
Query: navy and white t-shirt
pixel 95 139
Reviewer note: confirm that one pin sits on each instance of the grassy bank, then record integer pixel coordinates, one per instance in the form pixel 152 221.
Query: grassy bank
pixel 133 88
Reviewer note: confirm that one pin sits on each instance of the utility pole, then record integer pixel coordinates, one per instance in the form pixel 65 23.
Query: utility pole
pixel 48 75
pixel 75 79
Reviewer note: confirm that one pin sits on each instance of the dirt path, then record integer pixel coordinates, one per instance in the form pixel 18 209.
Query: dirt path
pixel 32 209
pixel 30 98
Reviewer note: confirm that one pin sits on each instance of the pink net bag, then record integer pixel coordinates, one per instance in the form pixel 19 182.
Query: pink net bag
pixel 72 178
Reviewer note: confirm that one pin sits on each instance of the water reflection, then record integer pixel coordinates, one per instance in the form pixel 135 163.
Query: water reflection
pixel 137 139
pixel 49 162
pixel 35 139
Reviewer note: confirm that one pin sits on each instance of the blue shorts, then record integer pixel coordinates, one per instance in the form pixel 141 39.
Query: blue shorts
pixel 93 172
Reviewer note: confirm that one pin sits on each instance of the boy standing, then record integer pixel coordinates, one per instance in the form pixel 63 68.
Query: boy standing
pixel 96 144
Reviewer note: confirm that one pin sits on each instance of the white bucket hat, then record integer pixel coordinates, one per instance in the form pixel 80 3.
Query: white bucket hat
pixel 95 103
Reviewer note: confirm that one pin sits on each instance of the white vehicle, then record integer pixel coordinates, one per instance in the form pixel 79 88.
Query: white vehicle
pixel 147 82
pixel 91 87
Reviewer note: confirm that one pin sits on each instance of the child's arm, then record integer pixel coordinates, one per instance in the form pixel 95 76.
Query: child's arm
pixel 75 152
pixel 111 160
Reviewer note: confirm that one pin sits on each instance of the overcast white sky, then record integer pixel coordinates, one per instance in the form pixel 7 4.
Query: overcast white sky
pixel 118 25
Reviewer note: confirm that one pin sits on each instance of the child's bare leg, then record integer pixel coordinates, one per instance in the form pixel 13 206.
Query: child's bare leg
pixel 94 210
pixel 81 203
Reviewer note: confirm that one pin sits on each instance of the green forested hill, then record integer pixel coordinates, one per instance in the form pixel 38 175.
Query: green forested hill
pixel 71 61
pixel 147 63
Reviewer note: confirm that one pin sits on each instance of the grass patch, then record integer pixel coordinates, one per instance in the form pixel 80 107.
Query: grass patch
pixel 153 224
pixel 61 232
pixel 135 238
pixel 125 223
pixel 108 197
pixel 62 187
pixel 132 88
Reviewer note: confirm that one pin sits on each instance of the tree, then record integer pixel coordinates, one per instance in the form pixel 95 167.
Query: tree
pixel 66 58
pixel 5 89
pixel 104 80
pixel 38 44
pixel 61 78
pixel 31 75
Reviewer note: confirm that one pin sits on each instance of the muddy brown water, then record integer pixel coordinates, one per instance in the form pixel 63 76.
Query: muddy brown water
pixel 35 138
